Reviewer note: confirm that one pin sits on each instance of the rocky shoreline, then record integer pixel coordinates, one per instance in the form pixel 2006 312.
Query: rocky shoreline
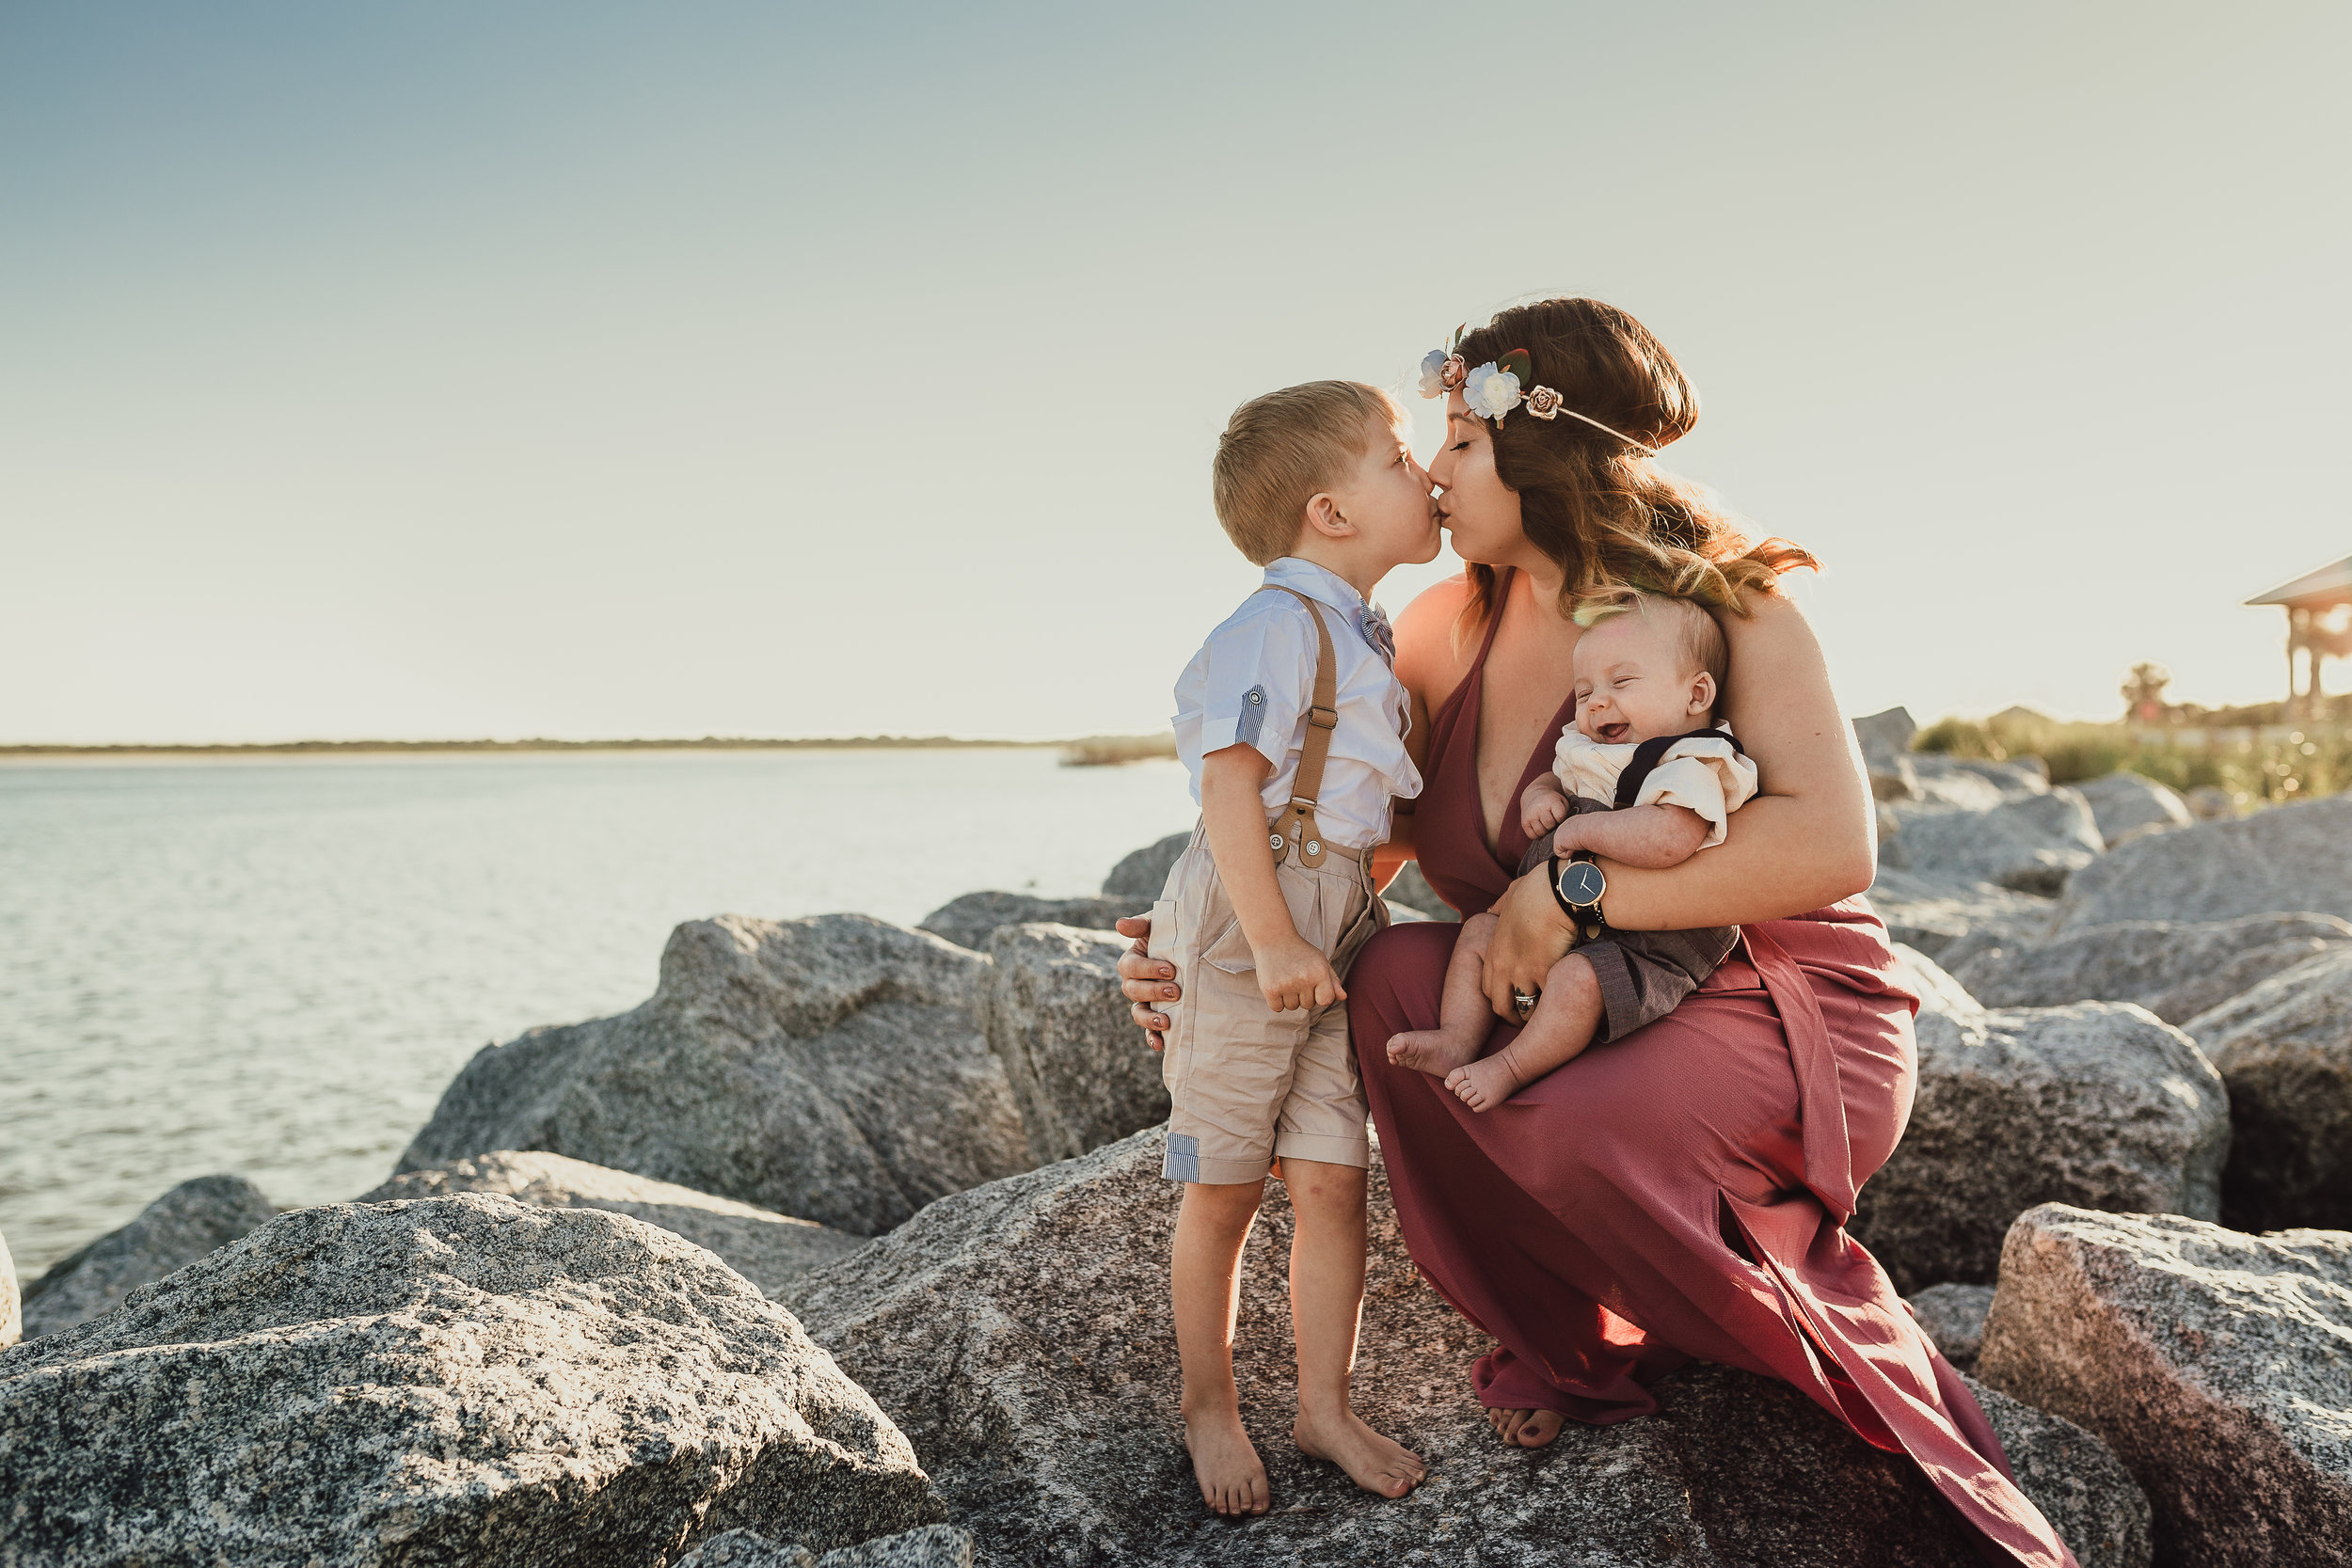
pixel 847 1247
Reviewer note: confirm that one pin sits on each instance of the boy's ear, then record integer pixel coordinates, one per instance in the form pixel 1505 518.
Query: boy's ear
pixel 1325 518
pixel 1702 692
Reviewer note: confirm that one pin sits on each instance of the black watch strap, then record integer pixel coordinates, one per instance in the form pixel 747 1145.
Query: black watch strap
pixel 1586 916
pixel 1552 881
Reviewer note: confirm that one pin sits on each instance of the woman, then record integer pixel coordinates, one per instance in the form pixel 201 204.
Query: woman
pixel 1680 1193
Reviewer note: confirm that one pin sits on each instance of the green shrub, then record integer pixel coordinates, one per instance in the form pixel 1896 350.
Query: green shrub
pixel 2300 766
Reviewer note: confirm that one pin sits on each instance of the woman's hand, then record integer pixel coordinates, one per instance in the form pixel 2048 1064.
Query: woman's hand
pixel 1148 981
pixel 1531 937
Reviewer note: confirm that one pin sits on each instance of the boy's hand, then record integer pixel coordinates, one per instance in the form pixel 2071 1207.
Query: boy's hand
pixel 1568 839
pixel 1292 975
pixel 1542 813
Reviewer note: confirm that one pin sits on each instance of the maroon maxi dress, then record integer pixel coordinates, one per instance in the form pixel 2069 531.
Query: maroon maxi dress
pixel 1681 1193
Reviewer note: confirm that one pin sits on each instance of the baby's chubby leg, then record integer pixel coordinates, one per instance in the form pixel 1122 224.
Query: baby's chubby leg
pixel 1463 1015
pixel 1564 1024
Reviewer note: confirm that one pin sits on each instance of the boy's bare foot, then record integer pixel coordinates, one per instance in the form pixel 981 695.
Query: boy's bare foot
pixel 1526 1429
pixel 1430 1051
pixel 1482 1086
pixel 1374 1463
pixel 1225 1462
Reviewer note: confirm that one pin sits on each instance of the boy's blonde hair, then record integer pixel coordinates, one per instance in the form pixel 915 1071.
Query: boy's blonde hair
pixel 1279 449
pixel 1698 637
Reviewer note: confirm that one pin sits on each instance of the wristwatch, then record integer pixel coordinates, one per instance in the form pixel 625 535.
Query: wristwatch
pixel 1579 885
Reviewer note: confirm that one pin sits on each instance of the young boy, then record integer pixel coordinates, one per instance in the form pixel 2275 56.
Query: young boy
pixel 1292 724
pixel 1643 776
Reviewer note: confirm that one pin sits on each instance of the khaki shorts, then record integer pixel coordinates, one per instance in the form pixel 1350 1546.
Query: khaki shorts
pixel 1249 1085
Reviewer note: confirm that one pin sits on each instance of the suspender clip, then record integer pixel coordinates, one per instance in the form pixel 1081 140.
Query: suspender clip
pixel 1298 829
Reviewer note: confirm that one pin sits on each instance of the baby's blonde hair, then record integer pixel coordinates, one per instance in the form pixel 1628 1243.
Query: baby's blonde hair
pixel 1278 451
pixel 1699 638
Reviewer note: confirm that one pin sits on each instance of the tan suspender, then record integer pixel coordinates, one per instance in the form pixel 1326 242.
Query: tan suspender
pixel 1295 826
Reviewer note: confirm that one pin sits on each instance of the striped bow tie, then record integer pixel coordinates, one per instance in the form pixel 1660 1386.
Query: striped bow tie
pixel 1372 623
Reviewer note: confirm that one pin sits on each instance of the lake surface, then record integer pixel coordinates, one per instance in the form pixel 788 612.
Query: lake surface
pixel 274 967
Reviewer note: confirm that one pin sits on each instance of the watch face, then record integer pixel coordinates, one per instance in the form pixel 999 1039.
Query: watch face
pixel 1581 883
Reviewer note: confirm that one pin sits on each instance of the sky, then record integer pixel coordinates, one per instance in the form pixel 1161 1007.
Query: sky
pixel 581 370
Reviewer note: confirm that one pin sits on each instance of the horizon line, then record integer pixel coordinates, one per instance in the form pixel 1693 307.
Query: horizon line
pixel 543 743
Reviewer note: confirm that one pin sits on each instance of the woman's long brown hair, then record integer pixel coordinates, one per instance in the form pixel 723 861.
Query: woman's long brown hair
pixel 1602 510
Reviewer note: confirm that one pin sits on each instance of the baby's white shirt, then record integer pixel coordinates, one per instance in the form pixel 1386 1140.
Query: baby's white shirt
pixel 1707 774
pixel 1253 680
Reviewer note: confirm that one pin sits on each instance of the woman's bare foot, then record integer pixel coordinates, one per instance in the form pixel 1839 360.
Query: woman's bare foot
pixel 1483 1086
pixel 1431 1050
pixel 1525 1429
pixel 1374 1463
pixel 1225 1462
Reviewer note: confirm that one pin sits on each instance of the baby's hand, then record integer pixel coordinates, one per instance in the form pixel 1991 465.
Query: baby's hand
pixel 1567 841
pixel 1542 812
pixel 1292 975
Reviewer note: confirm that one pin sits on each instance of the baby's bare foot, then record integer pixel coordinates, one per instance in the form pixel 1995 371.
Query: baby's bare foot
pixel 1225 1462
pixel 1525 1429
pixel 1374 1463
pixel 1430 1051
pixel 1482 1086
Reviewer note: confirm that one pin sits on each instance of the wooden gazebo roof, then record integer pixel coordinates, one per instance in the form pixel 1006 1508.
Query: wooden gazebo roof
pixel 2324 589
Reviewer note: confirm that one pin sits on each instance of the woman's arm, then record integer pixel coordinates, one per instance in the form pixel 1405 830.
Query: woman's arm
pixel 1808 839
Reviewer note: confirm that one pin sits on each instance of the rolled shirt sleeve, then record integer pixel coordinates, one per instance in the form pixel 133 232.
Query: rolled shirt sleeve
pixel 1256 678
pixel 1251 684
pixel 1708 778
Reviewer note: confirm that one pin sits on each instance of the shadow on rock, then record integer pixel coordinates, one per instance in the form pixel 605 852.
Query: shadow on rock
pixel 452 1380
pixel 826 1068
pixel 1019 1335
pixel 2099 1104
pixel 771 1250
pixel 186 1223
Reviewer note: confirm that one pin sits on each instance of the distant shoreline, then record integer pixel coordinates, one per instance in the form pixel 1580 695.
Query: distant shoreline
pixel 1123 747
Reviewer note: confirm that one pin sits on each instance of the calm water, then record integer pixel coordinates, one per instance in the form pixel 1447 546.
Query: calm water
pixel 274 967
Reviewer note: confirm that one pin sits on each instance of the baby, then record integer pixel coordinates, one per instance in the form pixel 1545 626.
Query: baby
pixel 1644 777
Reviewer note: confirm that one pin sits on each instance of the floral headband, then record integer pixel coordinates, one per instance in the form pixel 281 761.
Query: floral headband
pixel 1492 390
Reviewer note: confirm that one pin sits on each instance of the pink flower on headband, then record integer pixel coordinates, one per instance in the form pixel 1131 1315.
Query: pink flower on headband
pixel 1544 403
pixel 1455 372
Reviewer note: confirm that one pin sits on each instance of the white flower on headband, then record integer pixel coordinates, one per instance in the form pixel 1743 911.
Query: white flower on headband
pixel 1491 391
pixel 1433 373
pixel 1440 372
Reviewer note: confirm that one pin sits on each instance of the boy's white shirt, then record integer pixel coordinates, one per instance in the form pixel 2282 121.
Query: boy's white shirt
pixel 1253 680
pixel 1710 776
